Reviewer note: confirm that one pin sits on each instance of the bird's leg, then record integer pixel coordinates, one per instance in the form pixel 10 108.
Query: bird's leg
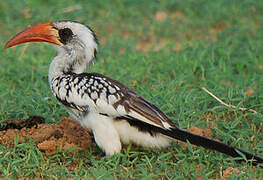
pixel 105 134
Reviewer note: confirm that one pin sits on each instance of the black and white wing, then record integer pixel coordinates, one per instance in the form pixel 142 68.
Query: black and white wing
pixel 98 93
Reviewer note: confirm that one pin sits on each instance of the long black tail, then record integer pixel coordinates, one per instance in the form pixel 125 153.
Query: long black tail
pixel 195 139
pixel 210 144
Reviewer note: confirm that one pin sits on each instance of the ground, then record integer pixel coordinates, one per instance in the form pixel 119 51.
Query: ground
pixel 164 50
pixel 47 137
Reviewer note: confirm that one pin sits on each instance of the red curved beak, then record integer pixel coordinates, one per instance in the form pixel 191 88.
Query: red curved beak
pixel 43 32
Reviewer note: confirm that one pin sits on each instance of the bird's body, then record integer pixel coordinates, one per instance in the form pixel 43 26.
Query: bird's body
pixel 103 105
pixel 114 113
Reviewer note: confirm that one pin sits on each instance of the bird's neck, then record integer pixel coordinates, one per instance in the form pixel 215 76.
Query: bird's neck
pixel 64 64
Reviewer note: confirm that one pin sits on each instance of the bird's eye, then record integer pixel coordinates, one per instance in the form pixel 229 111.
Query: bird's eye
pixel 65 35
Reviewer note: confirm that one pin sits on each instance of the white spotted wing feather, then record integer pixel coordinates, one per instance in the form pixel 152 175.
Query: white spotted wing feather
pixel 97 93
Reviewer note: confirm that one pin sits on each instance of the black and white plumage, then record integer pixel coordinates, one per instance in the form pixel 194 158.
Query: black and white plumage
pixel 114 113
pixel 111 110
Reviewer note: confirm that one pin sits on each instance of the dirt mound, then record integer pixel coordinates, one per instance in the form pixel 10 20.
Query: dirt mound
pixel 48 137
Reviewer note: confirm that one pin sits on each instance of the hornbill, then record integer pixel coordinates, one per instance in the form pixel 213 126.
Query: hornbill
pixel 114 113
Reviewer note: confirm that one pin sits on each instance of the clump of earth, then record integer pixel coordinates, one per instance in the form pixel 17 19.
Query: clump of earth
pixel 47 137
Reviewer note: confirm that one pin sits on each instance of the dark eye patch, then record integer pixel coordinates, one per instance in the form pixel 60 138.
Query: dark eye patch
pixel 65 35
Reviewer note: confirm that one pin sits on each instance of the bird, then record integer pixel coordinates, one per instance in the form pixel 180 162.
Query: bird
pixel 114 113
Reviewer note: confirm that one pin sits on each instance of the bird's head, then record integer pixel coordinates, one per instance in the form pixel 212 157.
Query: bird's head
pixel 71 39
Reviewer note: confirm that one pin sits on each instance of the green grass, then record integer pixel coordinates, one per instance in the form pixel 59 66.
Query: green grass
pixel 212 44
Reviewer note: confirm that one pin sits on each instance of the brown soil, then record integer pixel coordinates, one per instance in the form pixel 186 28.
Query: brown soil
pixel 48 137
pixel 229 171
